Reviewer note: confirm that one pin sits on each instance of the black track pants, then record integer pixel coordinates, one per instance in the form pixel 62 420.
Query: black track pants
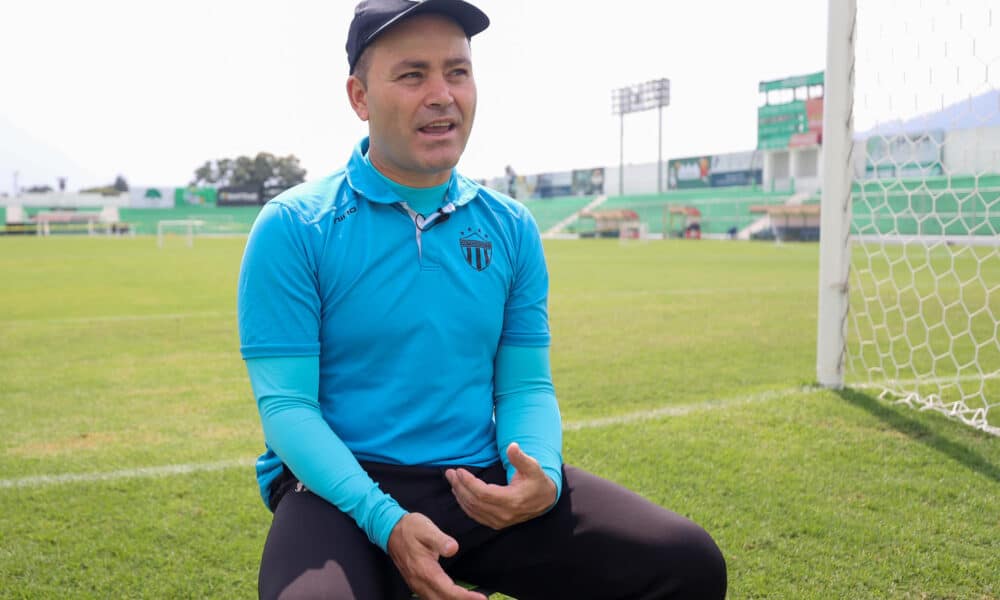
pixel 599 541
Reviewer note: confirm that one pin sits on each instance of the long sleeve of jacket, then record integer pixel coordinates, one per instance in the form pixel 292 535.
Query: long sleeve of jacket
pixel 286 389
pixel 526 408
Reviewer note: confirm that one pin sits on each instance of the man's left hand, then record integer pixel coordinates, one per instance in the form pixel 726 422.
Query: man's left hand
pixel 529 493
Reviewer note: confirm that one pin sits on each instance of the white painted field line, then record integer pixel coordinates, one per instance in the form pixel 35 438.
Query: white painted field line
pixel 684 409
pixel 693 291
pixel 142 472
pixel 120 318
pixel 167 470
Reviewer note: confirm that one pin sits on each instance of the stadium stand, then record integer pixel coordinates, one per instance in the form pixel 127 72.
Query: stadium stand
pixel 970 205
pixel 550 211
pixel 788 222
pixel 610 223
pixel 721 208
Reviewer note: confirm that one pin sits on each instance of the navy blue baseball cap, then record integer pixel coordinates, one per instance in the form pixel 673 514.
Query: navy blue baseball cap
pixel 372 17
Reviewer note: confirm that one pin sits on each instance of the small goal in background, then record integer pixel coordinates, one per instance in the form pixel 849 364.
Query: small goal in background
pixel 183 229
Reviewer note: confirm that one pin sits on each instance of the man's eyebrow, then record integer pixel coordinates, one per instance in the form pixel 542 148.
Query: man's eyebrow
pixel 424 65
pixel 411 64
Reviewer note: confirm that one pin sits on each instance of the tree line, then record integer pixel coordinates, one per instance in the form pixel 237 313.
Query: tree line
pixel 265 172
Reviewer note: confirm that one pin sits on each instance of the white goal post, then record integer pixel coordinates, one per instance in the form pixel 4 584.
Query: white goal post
pixel 909 286
pixel 186 227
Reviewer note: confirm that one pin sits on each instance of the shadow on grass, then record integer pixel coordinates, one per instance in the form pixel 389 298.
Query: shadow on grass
pixel 921 433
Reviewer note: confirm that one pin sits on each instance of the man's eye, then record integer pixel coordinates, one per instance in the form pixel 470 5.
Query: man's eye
pixel 460 73
pixel 410 75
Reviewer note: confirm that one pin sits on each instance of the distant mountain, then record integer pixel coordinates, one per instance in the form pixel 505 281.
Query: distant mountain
pixel 36 162
pixel 978 111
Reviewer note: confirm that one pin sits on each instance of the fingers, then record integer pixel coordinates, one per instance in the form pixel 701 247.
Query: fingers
pixel 521 461
pixel 485 503
pixel 435 583
pixel 477 492
pixel 415 545
pixel 442 586
pixel 447 546
pixel 464 480
pixel 436 540
pixel 529 493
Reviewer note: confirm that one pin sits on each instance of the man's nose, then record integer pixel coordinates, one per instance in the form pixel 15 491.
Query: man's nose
pixel 438 91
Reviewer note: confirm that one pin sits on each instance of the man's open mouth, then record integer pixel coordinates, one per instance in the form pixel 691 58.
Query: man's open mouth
pixel 437 127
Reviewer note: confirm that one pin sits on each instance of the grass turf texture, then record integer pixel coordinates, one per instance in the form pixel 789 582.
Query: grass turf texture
pixel 683 371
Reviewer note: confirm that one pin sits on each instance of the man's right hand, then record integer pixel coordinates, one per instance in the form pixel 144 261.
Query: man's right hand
pixel 415 545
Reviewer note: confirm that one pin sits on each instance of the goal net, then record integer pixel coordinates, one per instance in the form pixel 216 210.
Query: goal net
pixel 916 217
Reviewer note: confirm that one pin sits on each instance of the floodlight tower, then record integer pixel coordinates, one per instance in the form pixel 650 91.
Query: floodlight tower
pixel 638 98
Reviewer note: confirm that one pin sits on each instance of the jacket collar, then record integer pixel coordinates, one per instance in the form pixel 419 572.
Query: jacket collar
pixel 363 179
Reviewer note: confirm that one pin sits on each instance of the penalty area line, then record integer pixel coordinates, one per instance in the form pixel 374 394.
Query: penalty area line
pixel 685 409
pixel 94 320
pixel 182 469
pixel 141 472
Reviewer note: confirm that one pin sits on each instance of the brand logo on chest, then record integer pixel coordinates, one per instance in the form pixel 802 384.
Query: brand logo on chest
pixel 343 216
pixel 477 249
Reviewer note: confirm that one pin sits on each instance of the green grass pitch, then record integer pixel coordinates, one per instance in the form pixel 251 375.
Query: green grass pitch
pixel 684 371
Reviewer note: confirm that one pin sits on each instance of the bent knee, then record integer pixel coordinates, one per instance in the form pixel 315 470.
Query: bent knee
pixel 699 566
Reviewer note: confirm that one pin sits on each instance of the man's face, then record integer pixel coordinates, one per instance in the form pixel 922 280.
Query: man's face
pixel 419 100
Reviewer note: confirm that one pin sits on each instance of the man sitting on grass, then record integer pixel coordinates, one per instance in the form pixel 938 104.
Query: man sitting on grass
pixel 393 318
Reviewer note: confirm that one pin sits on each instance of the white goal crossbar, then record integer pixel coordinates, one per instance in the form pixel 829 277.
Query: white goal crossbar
pixel 189 227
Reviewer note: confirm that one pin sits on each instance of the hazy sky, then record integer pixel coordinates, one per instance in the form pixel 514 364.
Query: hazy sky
pixel 152 89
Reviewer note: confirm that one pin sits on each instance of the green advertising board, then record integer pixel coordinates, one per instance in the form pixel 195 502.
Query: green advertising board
pixel 194 196
pixel 691 172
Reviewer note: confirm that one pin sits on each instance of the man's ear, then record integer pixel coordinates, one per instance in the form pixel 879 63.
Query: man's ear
pixel 357 93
